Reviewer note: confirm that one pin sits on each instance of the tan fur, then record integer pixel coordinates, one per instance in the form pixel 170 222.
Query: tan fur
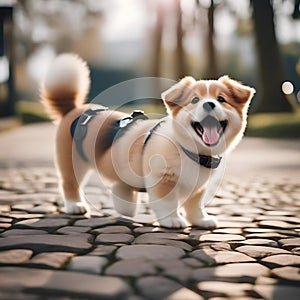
pixel 170 177
pixel 174 97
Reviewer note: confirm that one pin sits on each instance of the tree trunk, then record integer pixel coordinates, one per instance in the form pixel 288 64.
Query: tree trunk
pixel 296 12
pixel 179 56
pixel 157 39
pixel 269 59
pixel 211 69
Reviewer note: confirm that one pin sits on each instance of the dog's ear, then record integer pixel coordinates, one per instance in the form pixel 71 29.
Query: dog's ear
pixel 175 96
pixel 241 93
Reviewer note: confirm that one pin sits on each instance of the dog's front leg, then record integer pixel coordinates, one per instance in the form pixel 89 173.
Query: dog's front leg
pixel 194 206
pixel 166 208
pixel 166 212
pixel 195 215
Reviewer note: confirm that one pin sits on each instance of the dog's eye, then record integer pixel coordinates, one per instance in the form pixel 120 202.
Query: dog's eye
pixel 221 99
pixel 195 100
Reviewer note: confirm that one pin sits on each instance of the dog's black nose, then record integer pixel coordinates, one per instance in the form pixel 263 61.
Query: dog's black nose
pixel 209 106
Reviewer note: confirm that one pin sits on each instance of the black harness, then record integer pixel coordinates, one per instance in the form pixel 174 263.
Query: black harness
pixel 79 129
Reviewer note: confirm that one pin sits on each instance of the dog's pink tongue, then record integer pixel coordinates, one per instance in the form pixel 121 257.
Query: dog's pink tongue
pixel 210 135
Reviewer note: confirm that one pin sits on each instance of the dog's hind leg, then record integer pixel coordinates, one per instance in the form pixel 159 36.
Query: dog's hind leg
pixel 71 186
pixel 72 172
pixel 125 199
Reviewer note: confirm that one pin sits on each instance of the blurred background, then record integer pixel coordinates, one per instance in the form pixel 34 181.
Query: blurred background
pixel 254 41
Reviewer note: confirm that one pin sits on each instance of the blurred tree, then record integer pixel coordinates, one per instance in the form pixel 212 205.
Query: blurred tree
pixel 180 54
pixel 7 60
pixel 67 25
pixel 165 14
pixel 296 11
pixel 269 59
pixel 157 40
pixel 211 70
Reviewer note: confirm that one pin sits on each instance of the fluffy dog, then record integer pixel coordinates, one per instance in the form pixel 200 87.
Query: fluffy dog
pixel 172 159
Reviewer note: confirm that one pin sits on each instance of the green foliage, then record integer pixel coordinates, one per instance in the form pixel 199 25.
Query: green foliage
pixel 282 125
pixel 31 112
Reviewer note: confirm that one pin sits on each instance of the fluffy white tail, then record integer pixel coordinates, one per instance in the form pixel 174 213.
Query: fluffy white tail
pixel 66 85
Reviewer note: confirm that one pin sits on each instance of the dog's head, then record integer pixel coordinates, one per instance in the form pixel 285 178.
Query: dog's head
pixel 212 112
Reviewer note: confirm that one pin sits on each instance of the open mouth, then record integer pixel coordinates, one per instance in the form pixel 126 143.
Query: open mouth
pixel 210 130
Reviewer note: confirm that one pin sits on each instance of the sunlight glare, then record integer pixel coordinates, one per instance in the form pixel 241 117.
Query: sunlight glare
pixel 298 96
pixel 4 69
pixel 287 87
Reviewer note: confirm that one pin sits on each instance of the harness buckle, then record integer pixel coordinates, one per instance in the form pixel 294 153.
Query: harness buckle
pixel 136 114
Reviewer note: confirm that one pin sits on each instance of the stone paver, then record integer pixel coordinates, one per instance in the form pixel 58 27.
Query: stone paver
pixel 290 243
pixel 260 242
pixel 288 273
pixel 221 237
pixel 282 259
pixel 184 293
pixel 87 264
pixel 271 292
pixel 149 252
pixel 223 257
pixel 260 251
pixel 62 283
pixel 155 287
pixel 112 229
pixel 103 250
pixel 277 224
pixel 114 238
pixel 50 259
pixel 44 253
pixel 242 269
pixel 131 267
pixel 13 232
pixel 53 242
pixel 226 288
pixel 16 256
pixel 73 229
pixel 96 222
pixel 143 239
pixel 52 223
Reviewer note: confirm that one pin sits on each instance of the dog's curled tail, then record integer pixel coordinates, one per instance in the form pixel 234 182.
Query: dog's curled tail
pixel 65 86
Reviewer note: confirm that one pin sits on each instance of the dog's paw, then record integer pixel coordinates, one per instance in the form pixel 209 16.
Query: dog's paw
pixel 75 208
pixel 208 222
pixel 173 222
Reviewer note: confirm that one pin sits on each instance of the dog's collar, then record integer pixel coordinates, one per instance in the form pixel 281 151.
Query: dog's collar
pixel 203 160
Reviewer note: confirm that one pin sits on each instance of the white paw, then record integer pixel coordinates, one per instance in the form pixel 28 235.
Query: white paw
pixel 207 222
pixel 173 222
pixel 75 207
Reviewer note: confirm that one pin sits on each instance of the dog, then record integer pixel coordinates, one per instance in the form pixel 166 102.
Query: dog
pixel 172 159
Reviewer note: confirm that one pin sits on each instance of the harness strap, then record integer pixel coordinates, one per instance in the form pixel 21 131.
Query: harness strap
pixel 79 128
pixel 151 131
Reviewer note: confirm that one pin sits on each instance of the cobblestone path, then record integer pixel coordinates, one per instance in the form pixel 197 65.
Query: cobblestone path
pixel 46 254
